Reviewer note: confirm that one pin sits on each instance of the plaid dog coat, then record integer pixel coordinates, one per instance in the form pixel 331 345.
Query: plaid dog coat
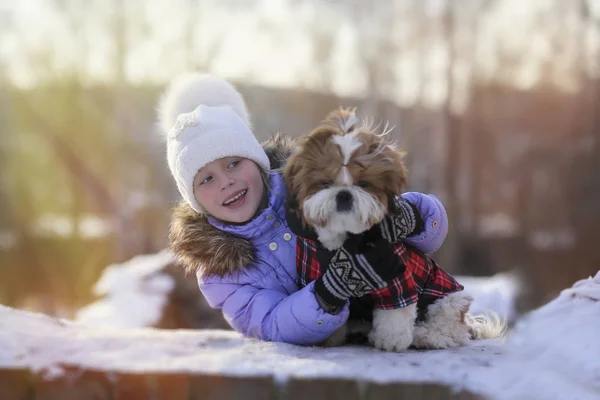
pixel 423 280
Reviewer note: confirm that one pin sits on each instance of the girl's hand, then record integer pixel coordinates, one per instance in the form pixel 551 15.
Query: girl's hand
pixel 403 222
pixel 355 273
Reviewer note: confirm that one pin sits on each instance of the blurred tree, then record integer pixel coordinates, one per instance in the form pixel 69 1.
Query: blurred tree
pixel 495 101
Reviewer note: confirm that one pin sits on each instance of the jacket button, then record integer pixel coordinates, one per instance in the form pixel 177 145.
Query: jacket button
pixel 287 236
pixel 277 224
pixel 273 246
pixel 434 223
pixel 270 216
pixel 320 322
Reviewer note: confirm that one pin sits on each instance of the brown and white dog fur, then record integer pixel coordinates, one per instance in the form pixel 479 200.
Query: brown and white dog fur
pixel 345 159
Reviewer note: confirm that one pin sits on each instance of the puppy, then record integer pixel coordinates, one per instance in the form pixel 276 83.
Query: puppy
pixel 343 179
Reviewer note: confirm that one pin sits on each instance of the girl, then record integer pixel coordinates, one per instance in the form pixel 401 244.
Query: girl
pixel 231 228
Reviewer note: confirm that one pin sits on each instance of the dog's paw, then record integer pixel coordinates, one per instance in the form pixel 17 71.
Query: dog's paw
pixel 428 336
pixel 393 341
pixel 393 329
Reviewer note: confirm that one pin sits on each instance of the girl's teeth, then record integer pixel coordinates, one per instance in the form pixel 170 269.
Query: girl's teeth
pixel 237 197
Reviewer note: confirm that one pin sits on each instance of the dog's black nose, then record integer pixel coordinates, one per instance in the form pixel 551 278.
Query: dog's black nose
pixel 343 200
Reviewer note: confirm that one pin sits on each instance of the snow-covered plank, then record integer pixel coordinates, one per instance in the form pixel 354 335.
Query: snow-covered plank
pixel 77 384
pixel 552 354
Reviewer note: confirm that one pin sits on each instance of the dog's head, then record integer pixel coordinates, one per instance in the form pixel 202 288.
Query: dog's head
pixel 344 175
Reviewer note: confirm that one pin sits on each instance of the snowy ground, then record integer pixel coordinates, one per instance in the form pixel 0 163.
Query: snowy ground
pixel 134 294
pixel 496 293
pixel 553 353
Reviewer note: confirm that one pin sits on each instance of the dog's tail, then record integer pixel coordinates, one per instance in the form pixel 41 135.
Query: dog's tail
pixel 188 91
pixel 486 326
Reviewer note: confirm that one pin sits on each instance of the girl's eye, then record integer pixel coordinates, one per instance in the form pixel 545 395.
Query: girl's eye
pixel 234 164
pixel 206 180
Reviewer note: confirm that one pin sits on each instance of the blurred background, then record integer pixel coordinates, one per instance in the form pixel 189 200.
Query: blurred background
pixel 497 103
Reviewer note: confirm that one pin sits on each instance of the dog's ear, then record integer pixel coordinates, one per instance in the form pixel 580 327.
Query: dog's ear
pixel 290 177
pixel 290 169
pixel 292 202
pixel 396 175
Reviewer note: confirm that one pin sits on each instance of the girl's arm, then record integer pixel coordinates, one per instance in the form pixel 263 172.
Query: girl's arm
pixel 271 315
pixel 435 219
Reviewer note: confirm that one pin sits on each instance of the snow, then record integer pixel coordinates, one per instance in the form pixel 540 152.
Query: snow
pixel 551 354
pixel 496 293
pixel 135 293
pixel 566 332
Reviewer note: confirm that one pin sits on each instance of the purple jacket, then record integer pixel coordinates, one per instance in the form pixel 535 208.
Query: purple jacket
pixel 263 299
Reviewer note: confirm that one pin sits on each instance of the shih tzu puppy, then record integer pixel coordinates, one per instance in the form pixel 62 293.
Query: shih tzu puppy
pixel 344 180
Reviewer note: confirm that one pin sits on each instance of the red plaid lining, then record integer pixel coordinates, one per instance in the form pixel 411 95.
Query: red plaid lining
pixel 423 276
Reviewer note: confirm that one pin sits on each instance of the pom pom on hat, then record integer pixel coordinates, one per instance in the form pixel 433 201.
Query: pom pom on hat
pixel 188 91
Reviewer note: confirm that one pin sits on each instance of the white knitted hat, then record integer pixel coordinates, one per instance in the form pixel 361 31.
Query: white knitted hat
pixel 204 119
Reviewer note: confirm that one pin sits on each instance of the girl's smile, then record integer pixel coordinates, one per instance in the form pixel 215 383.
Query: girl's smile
pixel 236 200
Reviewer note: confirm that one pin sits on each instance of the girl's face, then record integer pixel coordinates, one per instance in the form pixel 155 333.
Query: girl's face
pixel 229 189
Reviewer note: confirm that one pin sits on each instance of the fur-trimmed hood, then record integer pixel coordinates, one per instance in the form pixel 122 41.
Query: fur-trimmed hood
pixel 199 246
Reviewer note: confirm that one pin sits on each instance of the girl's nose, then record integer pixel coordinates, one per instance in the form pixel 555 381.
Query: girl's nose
pixel 227 181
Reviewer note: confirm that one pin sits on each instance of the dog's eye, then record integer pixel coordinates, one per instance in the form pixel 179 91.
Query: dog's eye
pixel 362 184
pixel 325 184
